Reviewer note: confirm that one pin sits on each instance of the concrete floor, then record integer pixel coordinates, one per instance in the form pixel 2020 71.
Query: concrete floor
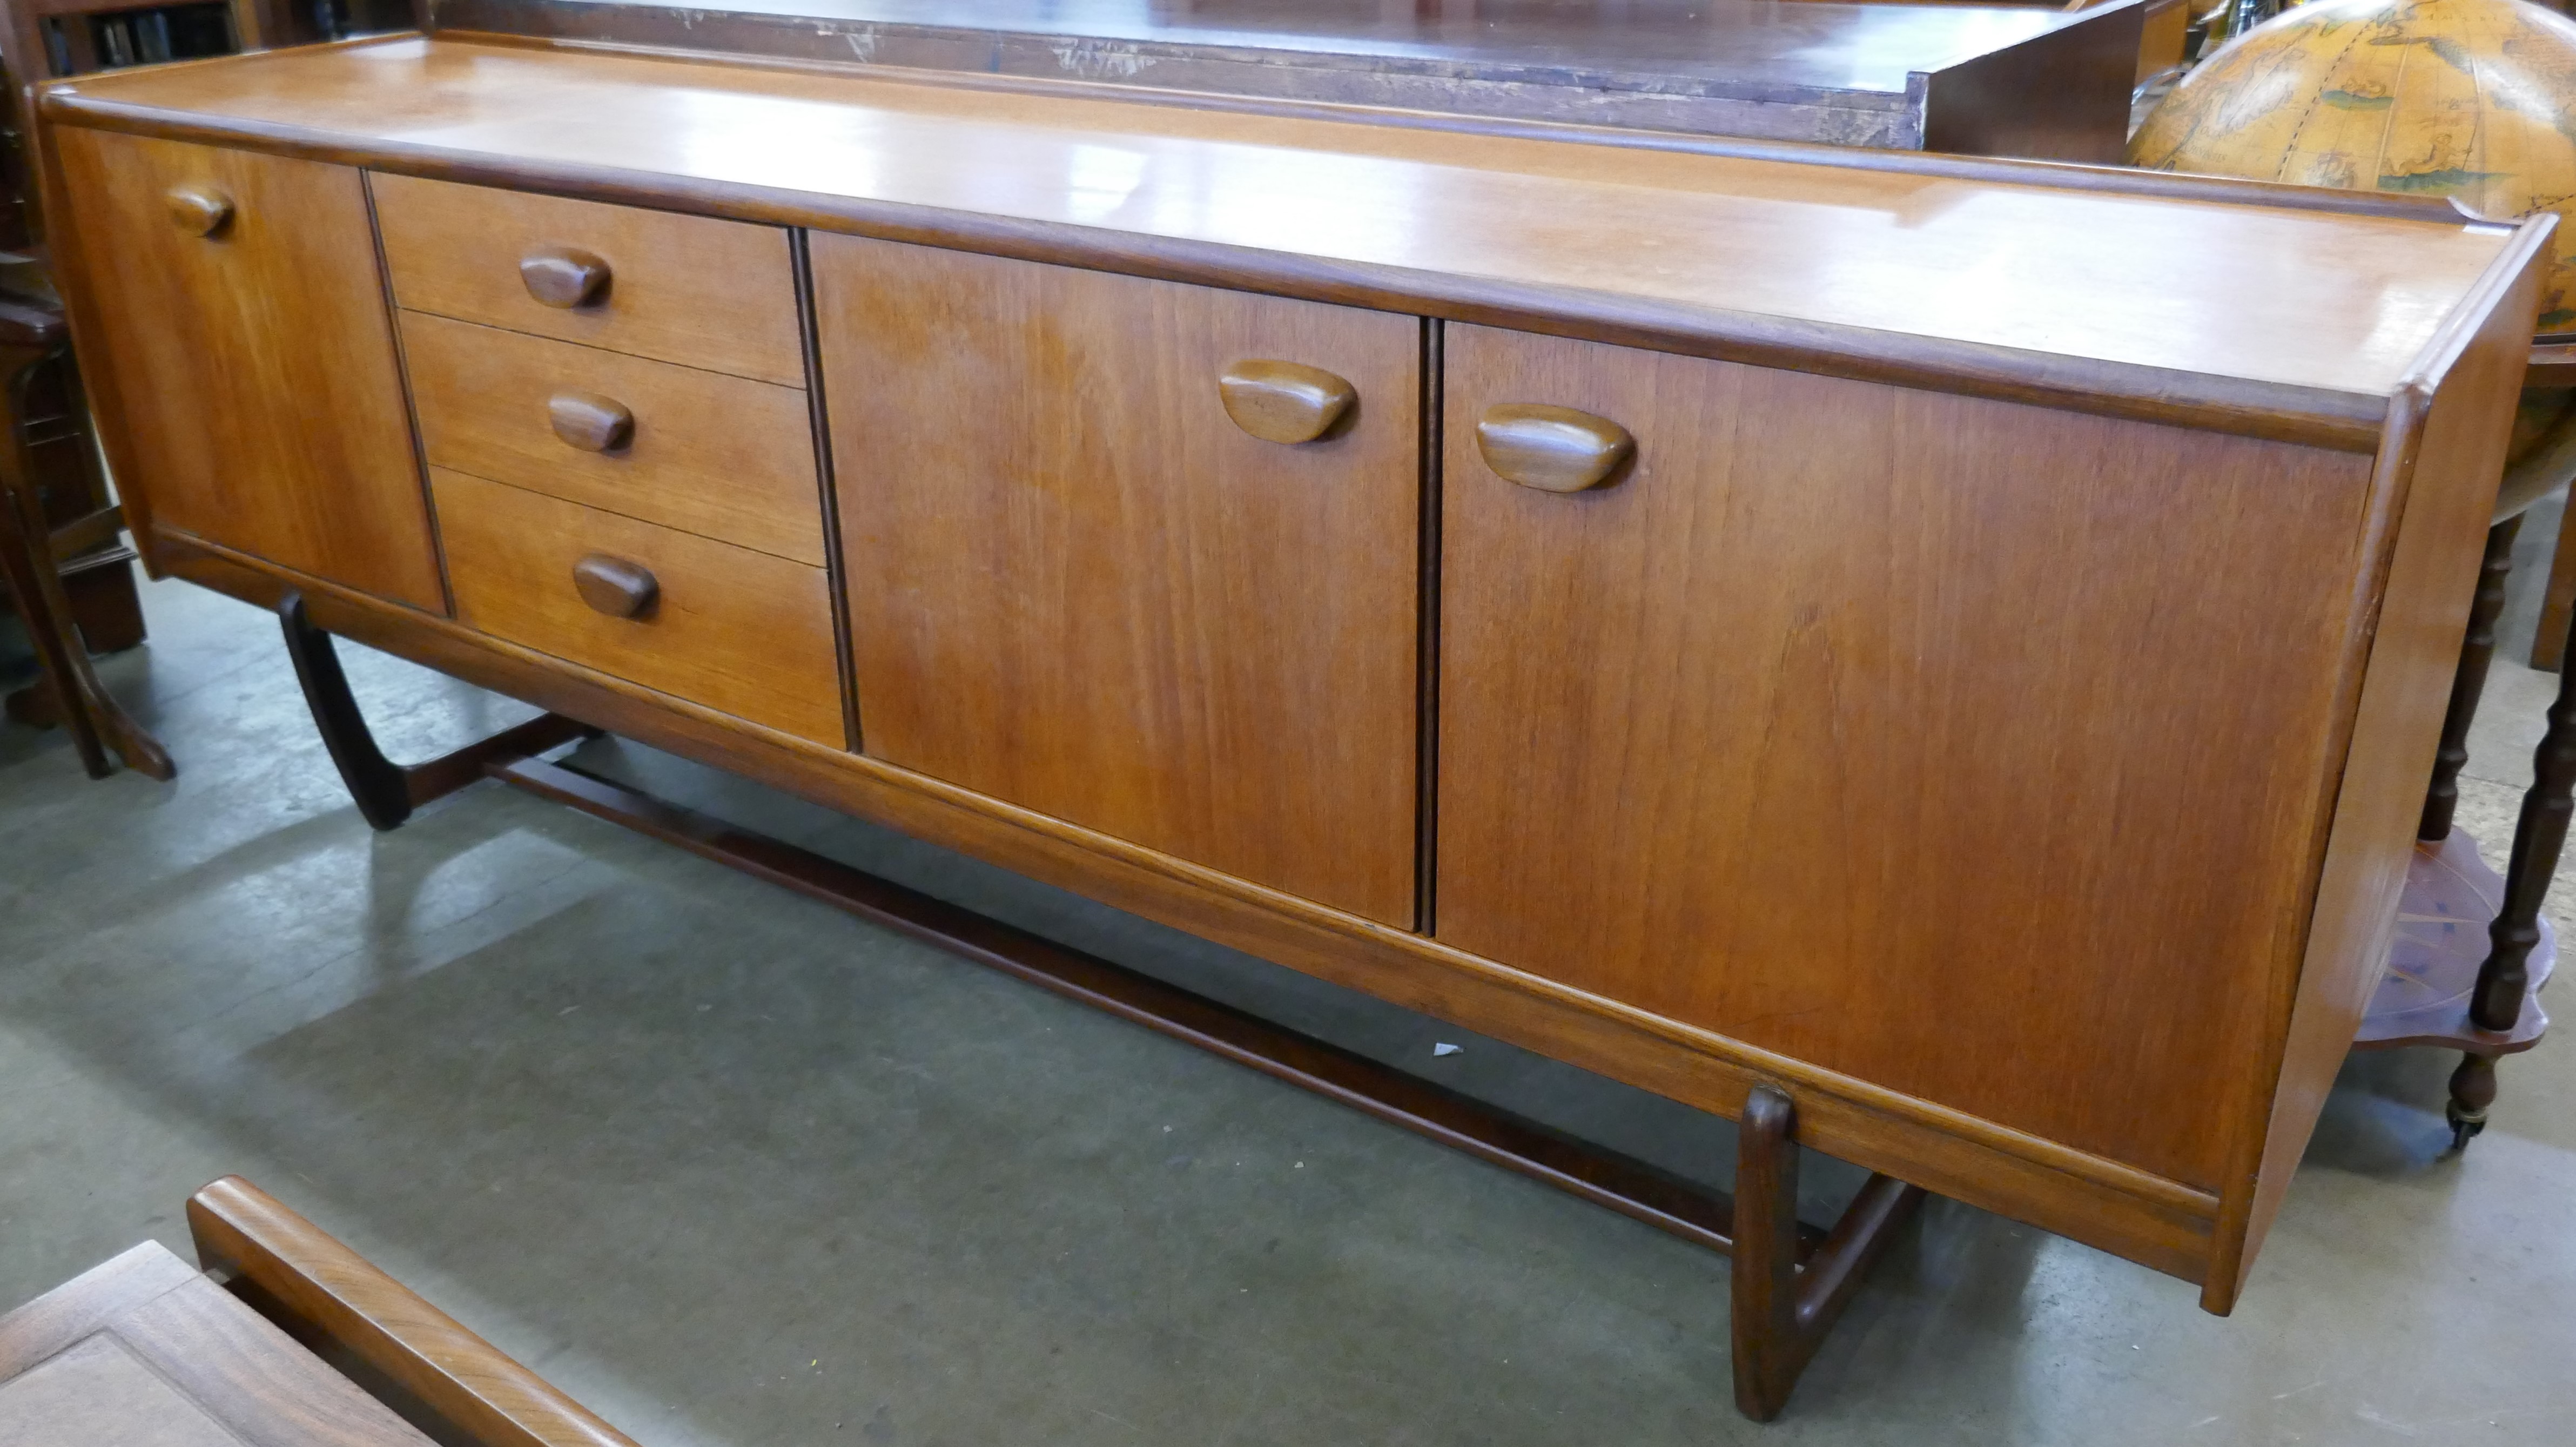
pixel 733 1168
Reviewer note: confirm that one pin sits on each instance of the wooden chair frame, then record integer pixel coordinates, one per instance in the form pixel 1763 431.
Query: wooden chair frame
pixel 453 1385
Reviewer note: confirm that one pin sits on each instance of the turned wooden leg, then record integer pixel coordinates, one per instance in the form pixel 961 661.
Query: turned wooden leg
pixel 2538 837
pixel 387 792
pixel 2558 604
pixel 2477 650
pixel 1782 1308
pixel 2473 1089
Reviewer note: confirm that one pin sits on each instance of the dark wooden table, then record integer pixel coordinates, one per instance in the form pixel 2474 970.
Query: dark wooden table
pixel 2007 80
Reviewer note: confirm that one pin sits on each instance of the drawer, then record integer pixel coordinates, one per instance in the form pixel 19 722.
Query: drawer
pixel 689 289
pixel 740 632
pixel 724 457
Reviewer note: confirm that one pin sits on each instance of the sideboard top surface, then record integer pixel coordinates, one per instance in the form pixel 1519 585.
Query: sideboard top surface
pixel 2309 312
pixel 1766 48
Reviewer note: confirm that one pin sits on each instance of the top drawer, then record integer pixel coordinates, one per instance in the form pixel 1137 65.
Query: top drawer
pixel 718 295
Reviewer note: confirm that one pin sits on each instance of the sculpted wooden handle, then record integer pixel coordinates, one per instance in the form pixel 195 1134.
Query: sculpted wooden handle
pixel 615 586
pixel 564 276
pixel 1554 449
pixel 1284 401
pixel 199 210
pixel 589 421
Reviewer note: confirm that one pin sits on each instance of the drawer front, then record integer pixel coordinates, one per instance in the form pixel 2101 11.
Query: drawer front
pixel 243 360
pixel 723 457
pixel 740 632
pixel 688 289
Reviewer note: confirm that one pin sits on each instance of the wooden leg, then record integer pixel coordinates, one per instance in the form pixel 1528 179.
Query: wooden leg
pixel 1783 1309
pixel 106 606
pixel 387 792
pixel 373 780
pixel 2538 837
pixel 2477 650
pixel 2558 605
pixel 96 722
pixel 1765 1279
pixel 2473 1089
pixel 1790 1282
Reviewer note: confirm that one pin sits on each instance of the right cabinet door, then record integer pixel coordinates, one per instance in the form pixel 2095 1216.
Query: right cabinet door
pixel 1079 584
pixel 1968 748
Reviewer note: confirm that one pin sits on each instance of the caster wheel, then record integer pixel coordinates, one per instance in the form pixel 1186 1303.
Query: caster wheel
pixel 2463 1130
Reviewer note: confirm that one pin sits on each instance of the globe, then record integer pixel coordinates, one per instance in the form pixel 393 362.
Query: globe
pixel 2471 99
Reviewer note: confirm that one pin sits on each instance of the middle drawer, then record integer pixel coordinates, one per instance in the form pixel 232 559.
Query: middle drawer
pixel 719 456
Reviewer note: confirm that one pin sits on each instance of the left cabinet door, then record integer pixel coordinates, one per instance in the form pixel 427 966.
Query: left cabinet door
pixel 236 329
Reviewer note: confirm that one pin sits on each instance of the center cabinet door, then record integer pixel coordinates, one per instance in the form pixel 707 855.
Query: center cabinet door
pixel 1078 585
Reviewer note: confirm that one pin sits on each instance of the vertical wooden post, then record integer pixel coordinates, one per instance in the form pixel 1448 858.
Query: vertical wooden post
pixel 2538 837
pixel 2477 650
pixel 1765 1282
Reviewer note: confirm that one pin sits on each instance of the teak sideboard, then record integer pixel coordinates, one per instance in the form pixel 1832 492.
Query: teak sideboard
pixel 1766 624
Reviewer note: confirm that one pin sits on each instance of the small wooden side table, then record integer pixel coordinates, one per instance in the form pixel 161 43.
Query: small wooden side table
pixel 286 1339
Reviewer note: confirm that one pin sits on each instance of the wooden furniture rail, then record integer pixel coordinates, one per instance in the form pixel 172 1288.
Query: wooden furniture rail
pixel 286 1339
pixel 1736 617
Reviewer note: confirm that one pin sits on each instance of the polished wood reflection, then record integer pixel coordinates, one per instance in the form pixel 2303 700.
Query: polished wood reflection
pixel 2309 306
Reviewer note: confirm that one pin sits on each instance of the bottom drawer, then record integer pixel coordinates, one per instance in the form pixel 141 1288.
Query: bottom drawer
pixel 738 631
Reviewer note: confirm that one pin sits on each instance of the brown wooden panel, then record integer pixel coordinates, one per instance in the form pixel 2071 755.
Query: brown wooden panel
pixel 2446 450
pixel 2063 96
pixel 687 289
pixel 741 632
pixel 1966 748
pixel 253 365
pixel 35 1330
pixel 724 457
pixel 1077 585
pixel 142 1349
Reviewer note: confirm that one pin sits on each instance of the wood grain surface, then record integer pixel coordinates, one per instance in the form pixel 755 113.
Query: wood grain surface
pixel 687 289
pixel 144 1350
pixel 723 457
pixel 741 632
pixel 2027 289
pixel 1077 585
pixel 253 366
pixel 2434 499
pixel 1919 737
pixel 322 1290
